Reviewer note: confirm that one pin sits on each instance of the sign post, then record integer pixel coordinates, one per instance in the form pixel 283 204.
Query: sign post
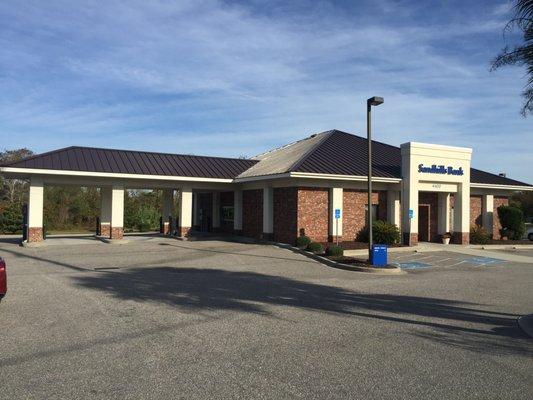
pixel 337 217
pixel 411 216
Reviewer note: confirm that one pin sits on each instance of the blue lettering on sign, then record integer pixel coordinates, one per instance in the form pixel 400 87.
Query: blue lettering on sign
pixel 440 169
pixel 337 213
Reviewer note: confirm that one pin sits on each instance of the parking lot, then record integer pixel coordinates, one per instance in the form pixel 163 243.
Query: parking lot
pixel 161 318
pixel 443 259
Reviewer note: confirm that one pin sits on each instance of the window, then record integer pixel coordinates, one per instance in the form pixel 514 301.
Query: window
pixel 227 213
pixel 374 213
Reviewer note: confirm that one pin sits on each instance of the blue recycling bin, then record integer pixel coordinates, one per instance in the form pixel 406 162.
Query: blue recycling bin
pixel 378 255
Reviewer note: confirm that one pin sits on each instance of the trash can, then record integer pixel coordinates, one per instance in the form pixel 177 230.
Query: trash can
pixel 379 255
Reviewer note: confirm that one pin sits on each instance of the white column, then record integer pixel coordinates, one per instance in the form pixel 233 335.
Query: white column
pixel 488 211
pixel 216 210
pixel 268 212
pixel 185 212
pixel 461 218
pixel 195 209
pixel 393 207
pixel 117 212
pixel 335 203
pixel 409 225
pixel 443 213
pixel 35 210
pixel 237 210
pixel 105 211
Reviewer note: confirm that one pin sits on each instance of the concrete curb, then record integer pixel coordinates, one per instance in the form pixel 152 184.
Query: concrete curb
pixel 525 322
pixel 33 244
pixel 502 246
pixel 364 252
pixel 330 263
pixel 112 241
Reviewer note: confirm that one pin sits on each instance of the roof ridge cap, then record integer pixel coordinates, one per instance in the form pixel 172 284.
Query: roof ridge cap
pixel 299 162
pixel 289 144
pixel 364 138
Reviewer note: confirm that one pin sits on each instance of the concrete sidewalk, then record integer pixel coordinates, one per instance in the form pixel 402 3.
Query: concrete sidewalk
pixel 455 248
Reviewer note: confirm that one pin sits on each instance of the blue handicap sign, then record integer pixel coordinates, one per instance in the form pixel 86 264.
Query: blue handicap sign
pixel 411 213
pixel 337 213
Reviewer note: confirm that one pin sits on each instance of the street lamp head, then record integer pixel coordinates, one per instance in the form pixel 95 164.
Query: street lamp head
pixel 374 101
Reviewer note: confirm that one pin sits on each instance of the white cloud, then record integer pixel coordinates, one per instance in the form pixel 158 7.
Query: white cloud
pixel 161 75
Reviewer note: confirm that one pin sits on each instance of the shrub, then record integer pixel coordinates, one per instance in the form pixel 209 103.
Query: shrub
pixel 302 242
pixel 383 232
pixel 315 247
pixel 11 218
pixel 144 227
pixel 512 221
pixel 145 218
pixel 334 251
pixel 479 235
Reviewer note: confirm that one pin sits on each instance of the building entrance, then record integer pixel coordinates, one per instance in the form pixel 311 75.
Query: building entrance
pixel 424 224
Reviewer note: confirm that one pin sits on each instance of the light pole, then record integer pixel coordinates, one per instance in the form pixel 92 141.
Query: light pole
pixel 373 101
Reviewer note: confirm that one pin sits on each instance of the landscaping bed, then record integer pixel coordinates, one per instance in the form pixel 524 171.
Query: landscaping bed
pixel 510 242
pixel 353 245
pixel 355 261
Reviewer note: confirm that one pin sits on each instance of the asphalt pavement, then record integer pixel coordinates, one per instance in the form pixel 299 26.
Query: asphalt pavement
pixel 160 318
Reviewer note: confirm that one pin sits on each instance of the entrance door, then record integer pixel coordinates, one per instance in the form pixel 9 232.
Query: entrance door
pixel 423 223
pixel 205 211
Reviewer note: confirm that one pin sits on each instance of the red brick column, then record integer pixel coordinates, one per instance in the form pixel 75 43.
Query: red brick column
pixel 496 226
pixel 117 233
pixel 410 239
pixel 35 235
pixel 184 231
pixel 334 238
pixel 105 230
pixel 461 237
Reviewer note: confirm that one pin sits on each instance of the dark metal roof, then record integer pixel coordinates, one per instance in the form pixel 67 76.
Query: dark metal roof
pixel 478 176
pixel 135 162
pixel 336 153
pixel 341 153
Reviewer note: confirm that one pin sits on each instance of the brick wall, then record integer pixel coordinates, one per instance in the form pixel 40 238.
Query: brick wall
pixel 496 226
pixel 354 211
pixel 35 235
pixel 476 210
pixel 286 214
pixel 313 213
pixel 252 213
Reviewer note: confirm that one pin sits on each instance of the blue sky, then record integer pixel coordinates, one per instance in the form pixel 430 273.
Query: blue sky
pixel 236 78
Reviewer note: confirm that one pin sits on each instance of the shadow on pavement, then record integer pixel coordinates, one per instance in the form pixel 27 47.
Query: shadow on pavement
pixel 213 289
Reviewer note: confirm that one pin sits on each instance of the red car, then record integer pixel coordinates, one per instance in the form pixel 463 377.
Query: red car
pixel 3 278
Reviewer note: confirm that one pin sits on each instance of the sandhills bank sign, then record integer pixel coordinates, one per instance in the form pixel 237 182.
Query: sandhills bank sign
pixel 440 169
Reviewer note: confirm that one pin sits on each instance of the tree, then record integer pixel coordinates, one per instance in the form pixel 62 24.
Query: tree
pixel 524 201
pixel 522 54
pixel 512 221
pixel 10 218
pixel 13 190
